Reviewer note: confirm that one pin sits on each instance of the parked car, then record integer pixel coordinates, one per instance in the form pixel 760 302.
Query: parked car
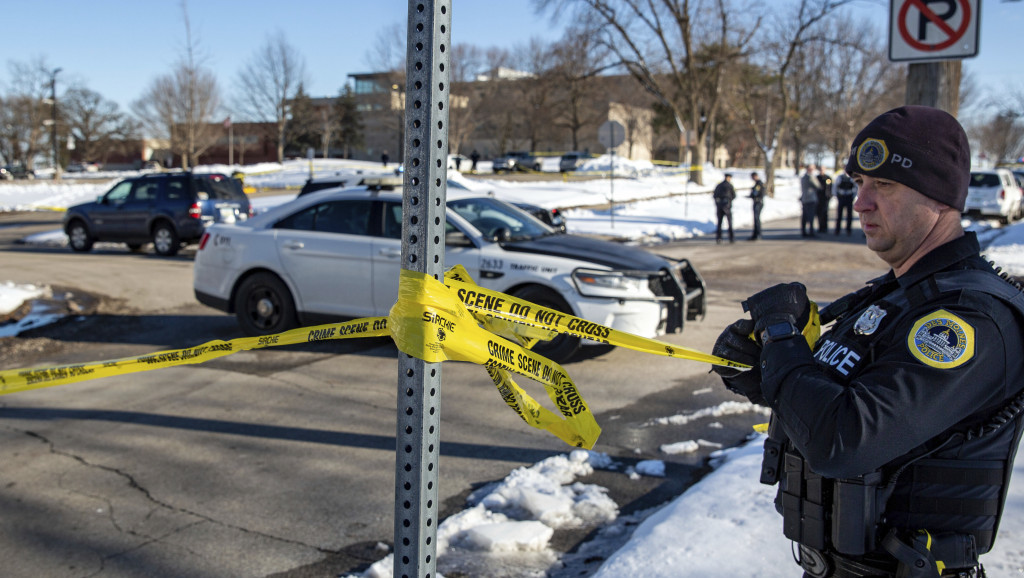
pixel 551 217
pixel 572 161
pixel 83 168
pixel 168 209
pixel 1018 175
pixel 11 172
pixel 516 161
pixel 994 193
pixel 337 254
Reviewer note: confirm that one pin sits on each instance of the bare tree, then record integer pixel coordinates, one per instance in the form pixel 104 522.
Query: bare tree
pixel 841 78
pixel 535 92
pixel 783 53
pixel 1001 138
pixel 182 105
pixel 96 124
pixel 578 58
pixel 466 114
pixel 22 128
pixel 678 50
pixel 269 82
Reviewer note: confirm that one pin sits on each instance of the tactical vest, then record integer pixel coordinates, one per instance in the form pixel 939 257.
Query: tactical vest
pixel 961 499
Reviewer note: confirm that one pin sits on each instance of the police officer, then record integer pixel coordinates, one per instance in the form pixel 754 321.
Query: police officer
pixel 724 195
pixel 824 192
pixel 892 438
pixel 845 191
pixel 757 196
pixel 809 201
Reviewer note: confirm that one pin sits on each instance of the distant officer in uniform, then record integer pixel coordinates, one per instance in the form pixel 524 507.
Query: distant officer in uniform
pixel 824 193
pixel 809 201
pixel 845 192
pixel 757 196
pixel 892 438
pixel 724 195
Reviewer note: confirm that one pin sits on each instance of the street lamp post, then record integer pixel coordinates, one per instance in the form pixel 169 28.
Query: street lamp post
pixel 53 120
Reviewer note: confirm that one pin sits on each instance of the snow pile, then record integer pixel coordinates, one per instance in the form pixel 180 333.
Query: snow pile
pixel 12 296
pixel 724 408
pixel 724 526
pixel 511 522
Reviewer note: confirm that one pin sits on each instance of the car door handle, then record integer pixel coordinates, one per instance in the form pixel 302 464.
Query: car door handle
pixel 390 252
pixel 294 244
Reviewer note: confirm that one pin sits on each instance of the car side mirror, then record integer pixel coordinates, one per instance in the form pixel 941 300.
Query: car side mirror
pixel 101 199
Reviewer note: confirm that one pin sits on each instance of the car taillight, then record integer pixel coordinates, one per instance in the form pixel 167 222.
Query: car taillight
pixel 195 211
pixel 1002 194
pixel 203 240
pixel 252 211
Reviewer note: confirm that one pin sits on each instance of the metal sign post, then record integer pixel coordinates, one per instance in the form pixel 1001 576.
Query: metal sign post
pixel 418 433
pixel 611 134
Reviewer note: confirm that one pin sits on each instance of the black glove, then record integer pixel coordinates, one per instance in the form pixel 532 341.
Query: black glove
pixel 735 344
pixel 783 302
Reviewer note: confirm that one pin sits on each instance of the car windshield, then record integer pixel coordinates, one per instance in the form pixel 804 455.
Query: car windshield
pixel 491 215
pixel 984 180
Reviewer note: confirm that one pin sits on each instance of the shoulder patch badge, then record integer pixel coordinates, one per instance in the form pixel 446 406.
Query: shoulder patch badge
pixel 941 340
pixel 872 153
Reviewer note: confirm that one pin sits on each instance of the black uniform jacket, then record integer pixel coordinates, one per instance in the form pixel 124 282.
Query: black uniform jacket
pixel 882 382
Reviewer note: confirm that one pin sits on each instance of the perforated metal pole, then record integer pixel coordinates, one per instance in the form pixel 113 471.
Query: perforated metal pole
pixel 423 209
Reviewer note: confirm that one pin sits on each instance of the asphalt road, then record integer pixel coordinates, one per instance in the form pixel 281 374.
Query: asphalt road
pixel 279 462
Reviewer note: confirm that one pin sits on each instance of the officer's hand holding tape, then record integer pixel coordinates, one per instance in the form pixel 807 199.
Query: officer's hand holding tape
pixel 735 343
pixel 783 303
pixel 786 304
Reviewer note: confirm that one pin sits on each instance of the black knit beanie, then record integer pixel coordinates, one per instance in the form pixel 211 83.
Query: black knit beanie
pixel 921 147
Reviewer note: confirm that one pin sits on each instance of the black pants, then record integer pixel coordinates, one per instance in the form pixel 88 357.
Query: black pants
pixel 725 213
pixel 807 219
pixel 845 204
pixel 822 210
pixel 757 220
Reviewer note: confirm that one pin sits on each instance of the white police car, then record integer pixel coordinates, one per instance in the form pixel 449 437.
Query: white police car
pixel 335 254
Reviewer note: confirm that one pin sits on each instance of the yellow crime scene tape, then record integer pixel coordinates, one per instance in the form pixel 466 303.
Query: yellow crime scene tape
pixel 433 321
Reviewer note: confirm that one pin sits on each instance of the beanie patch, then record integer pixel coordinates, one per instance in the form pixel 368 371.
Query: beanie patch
pixel 921 147
pixel 872 153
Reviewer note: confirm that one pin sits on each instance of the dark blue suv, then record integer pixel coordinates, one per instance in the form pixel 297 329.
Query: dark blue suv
pixel 168 210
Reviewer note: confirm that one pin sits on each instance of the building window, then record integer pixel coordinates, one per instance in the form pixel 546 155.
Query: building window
pixel 364 86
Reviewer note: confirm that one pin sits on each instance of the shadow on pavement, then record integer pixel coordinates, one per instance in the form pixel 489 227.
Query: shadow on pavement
pixel 297 434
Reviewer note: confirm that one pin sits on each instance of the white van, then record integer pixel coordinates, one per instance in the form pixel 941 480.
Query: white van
pixel 994 193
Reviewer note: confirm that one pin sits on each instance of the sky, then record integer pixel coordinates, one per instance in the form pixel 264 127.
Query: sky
pixel 723 527
pixel 117 47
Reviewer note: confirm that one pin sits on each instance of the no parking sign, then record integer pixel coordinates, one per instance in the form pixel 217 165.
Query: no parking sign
pixel 933 29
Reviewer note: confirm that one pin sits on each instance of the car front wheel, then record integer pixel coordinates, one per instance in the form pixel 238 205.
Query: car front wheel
pixel 78 237
pixel 165 240
pixel 562 347
pixel 264 305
